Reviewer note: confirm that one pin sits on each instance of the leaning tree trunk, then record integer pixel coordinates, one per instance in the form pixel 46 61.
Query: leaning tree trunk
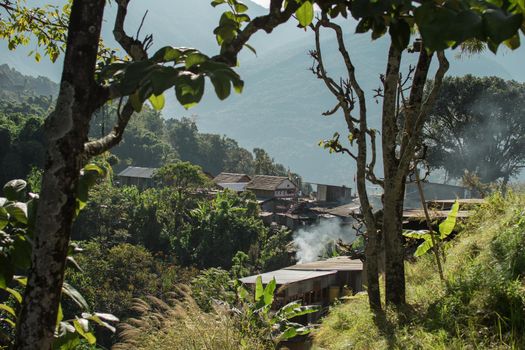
pixel 66 131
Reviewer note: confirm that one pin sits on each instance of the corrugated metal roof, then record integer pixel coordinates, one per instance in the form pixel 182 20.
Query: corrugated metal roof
pixel 420 213
pixel 265 182
pixel 340 263
pixel 236 186
pixel 136 171
pixel 286 276
pixel 459 200
pixel 231 178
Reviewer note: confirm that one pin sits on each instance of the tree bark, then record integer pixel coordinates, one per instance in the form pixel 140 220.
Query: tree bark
pixel 392 235
pixel 66 131
pixel 394 186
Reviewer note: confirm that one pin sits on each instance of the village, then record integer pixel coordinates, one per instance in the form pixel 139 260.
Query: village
pixel 282 204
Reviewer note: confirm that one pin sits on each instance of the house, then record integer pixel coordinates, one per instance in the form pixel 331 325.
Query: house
pixel 137 176
pixel 314 283
pixel 331 193
pixel 265 186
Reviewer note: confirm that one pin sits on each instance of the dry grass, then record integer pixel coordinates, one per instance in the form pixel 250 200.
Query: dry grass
pixel 180 324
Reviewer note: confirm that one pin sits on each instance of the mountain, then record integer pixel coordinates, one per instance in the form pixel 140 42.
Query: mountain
pixel 280 108
pixel 14 84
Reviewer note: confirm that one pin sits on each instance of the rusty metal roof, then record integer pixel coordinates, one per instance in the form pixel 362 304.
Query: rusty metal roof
pixel 340 263
pixel 266 182
pixel 287 276
pixel 231 178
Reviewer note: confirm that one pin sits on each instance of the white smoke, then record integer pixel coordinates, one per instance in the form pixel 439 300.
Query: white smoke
pixel 311 241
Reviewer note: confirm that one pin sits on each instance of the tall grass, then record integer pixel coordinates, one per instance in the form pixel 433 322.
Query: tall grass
pixel 481 305
pixel 180 324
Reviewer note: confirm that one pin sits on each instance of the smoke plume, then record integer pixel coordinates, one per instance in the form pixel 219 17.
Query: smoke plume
pixel 311 241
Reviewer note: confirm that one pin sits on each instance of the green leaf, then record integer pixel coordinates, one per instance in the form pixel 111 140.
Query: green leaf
pixel 18 211
pixel 134 75
pixel 259 290
pixel 400 34
pixel 269 292
pixel 222 85
pixel 447 226
pixel 423 248
pixel 14 190
pixel 295 309
pixel 421 234
pixel 217 2
pixel 242 293
pixel 157 102
pixel 305 14
pixel 4 218
pixel 168 54
pixel 240 7
pixel 88 177
pixel 189 89
pixel 74 294
pixel 81 325
pixel 60 314
pixel 136 102
pixel 8 321
pixel 251 48
pixel 15 294
pixel 195 58
pixel 163 79
pixel 289 333
pixel 8 309
pixel 21 256
pixel 22 280
pixel 500 26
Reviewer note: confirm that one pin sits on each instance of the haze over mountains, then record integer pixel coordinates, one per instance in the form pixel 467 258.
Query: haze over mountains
pixel 280 108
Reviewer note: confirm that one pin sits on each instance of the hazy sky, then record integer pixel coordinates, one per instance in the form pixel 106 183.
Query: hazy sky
pixel 264 3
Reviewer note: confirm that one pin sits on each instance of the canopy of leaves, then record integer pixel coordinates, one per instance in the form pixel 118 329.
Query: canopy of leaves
pixel 478 124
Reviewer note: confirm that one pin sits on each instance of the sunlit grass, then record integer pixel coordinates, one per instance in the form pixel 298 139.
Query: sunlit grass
pixel 481 305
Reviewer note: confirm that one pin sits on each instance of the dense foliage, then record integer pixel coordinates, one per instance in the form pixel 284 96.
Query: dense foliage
pixel 478 125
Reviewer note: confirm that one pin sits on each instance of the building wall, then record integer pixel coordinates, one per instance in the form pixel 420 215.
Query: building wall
pixel 327 193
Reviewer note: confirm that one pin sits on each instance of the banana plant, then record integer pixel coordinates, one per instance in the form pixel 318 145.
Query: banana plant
pixel 257 312
pixel 445 229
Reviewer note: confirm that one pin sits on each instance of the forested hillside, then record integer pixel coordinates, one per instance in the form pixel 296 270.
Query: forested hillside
pixel 150 141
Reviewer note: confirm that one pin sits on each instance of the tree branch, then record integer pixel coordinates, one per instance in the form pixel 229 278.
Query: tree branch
pixel 424 111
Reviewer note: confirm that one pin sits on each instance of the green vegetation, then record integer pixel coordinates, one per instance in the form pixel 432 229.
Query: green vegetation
pixel 480 306
pixel 478 125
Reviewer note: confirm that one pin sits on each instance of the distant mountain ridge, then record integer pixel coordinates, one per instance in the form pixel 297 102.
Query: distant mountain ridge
pixel 280 108
pixel 14 84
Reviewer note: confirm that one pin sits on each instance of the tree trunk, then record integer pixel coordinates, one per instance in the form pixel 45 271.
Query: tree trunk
pixel 394 186
pixel 372 267
pixel 66 131
pixel 394 249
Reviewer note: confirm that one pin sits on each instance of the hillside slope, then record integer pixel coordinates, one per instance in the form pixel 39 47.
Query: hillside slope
pixel 482 305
